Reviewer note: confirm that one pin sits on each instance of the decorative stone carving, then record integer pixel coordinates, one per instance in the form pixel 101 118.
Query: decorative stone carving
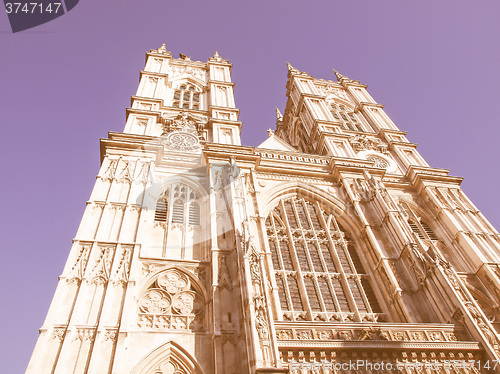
pixel 58 333
pixel 372 334
pixel 78 269
pixel 85 334
pixel 123 268
pixel 148 268
pixel 125 175
pixel 224 280
pixel 109 174
pixel 183 121
pixel 333 90
pixel 364 143
pixel 100 272
pixel 287 157
pixel 171 303
pixel 181 141
pixel 111 335
pixel 143 173
pixel 379 162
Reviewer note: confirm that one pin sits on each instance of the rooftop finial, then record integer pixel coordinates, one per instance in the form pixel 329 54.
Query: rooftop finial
pixel 271 132
pixel 279 116
pixel 289 66
pixel 216 54
pixel 339 76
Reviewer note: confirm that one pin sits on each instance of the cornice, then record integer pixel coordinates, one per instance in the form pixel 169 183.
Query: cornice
pixel 145 112
pixel 220 83
pixel 394 143
pixel 420 175
pixel 181 62
pixel 384 131
pixel 143 98
pixel 392 345
pixel 213 120
pixel 364 104
pixel 152 73
pixel 166 55
pixel 312 96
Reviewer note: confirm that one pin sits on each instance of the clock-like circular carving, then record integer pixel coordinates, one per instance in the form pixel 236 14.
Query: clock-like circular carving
pixel 182 141
pixel 379 162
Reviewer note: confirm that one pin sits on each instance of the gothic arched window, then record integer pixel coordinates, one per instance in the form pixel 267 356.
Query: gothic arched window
pixel 185 209
pixel 318 272
pixel 421 229
pixel 346 117
pixel 161 212
pixel 186 96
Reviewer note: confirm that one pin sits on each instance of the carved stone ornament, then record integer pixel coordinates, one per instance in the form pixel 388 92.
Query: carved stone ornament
pixel 171 303
pixel 379 162
pixel 184 122
pixel 364 143
pixel 181 141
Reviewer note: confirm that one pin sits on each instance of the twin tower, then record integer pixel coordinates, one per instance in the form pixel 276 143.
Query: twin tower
pixel 333 247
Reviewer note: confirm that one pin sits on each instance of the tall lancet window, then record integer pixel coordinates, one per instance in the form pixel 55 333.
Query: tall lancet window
pixel 318 272
pixel 186 96
pixel 161 212
pixel 184 209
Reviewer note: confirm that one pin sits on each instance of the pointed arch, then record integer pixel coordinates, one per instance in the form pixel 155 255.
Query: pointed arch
pixel 418 220
pixel 318 270
pixel 272 196
pixel 179 80
pixel 340 100
pixel 178 198
pixel 169 358
pixel 198 286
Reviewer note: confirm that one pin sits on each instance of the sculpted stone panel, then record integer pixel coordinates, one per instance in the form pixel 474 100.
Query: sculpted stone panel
pixel 171 302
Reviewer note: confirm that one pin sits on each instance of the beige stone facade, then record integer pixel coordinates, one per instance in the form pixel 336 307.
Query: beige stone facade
pixel 333 247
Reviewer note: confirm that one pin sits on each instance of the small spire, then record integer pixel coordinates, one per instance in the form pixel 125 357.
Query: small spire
pixel 271 132
pixel 216 54
pixel 289 66
pixel 162 48
pixel 279 116
pixel 339 76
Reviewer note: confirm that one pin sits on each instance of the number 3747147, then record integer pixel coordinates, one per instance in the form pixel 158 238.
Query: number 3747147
pixel 33 7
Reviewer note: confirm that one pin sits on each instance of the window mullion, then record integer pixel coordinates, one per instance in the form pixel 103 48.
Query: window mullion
pixel 343 278
pixel 301 280
pixel 363 293
pixel 293 255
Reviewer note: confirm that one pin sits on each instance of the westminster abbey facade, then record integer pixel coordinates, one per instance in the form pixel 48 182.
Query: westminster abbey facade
pixel 332 247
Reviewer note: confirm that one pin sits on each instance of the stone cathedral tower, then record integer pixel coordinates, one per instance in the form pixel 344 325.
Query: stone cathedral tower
pixel 332 247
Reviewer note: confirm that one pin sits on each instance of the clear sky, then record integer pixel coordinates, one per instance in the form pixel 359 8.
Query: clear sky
pixel 434 64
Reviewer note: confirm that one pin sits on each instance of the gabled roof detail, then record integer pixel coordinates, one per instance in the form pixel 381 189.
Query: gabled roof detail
pixel 273 142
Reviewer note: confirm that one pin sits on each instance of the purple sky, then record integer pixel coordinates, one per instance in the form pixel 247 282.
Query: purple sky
pixel 65 84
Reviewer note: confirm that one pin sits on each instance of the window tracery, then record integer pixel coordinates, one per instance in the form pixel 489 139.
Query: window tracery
pixel 186 96
pixel 185 208
pixel 345 116
pixel 171 302
pixel 318 272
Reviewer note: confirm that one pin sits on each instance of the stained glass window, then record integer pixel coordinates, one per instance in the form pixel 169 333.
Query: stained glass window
pixel 317 269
